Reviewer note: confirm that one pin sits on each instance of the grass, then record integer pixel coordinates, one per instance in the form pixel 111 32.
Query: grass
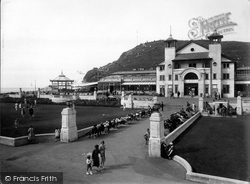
pixel 217 146
pixel 48 117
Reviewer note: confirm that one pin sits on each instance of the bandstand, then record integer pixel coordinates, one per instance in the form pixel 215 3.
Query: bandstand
pixel 62 84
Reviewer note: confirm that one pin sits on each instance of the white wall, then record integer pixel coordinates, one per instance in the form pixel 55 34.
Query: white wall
pixel 196 47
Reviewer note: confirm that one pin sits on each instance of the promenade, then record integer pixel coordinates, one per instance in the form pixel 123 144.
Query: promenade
pixel 127 157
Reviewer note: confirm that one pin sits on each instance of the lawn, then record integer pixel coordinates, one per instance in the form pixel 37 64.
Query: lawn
pixel 48 117
pixel 217 146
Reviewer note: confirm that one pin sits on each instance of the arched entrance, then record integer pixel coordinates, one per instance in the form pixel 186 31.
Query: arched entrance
pixel 191 84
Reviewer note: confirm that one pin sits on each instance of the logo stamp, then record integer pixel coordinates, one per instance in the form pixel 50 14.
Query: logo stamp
pixel 201 28
pixel 31 177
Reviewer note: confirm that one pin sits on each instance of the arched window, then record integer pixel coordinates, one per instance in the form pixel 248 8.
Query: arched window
pixel 191 76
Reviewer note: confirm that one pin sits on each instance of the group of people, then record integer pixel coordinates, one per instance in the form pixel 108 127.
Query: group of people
pixel 104 127
pixel 23 107
pixel 97 158
pixel 179 117
pixel 217 95
pixel 177 94
pixel 224 111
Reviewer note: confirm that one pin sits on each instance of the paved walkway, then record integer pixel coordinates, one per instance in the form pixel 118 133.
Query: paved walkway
pixel 127 157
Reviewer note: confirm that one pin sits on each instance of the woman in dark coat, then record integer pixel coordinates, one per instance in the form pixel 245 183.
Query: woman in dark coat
pixel 96 156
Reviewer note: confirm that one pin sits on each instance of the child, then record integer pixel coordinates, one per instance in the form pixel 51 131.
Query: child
pixel 89 165
pixel 57 134
pixel 147 135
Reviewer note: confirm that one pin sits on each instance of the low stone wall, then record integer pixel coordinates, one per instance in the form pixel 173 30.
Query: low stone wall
pixel 39 138
pixel 61 99
pixel 9 141
pixel 143 104
pixel 14 95
pixel 87 97
pixel 204 178
pixel 45 96
pixel 138 101
pixel 83 132
pixel 173 135
pixel 246 106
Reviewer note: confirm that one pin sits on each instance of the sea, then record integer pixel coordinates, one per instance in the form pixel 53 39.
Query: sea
pixel 9 90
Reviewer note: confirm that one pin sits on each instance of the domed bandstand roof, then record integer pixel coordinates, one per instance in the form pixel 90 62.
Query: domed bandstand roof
pixel 62 78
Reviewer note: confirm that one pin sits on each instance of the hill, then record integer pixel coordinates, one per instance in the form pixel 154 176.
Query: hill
pixel 146 55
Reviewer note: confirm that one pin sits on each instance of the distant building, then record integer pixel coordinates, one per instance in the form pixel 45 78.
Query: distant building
pixel 197 68
pixel 242 81
pixel 61 84
pixel 137 82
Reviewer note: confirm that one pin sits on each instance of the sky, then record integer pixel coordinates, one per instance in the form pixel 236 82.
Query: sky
pixel 42 38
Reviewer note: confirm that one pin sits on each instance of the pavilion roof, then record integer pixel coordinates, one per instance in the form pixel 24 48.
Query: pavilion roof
pixel 62 78
pixel 192 56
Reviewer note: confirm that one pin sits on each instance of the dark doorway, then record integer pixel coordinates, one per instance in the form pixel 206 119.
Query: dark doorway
pixel 111 88
pixel 191 86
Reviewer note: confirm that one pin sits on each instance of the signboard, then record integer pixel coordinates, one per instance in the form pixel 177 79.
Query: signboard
pixel 201 28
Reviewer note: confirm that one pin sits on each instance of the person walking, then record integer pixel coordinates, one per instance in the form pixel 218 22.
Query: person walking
pixel 89 165
pixel 218 95
pixel 162 106
pixel 16 123
pixel 31 111
pixel 16 106
pixel 20 105
pixel 96 158
pixel 178 94
pixel 23 111
pixel 31 134
pixel 193 107
pixel 103 149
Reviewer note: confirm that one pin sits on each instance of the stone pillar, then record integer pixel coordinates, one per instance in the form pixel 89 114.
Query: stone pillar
pixel 20 93
pixel 38 93
pixel 201 104
pixel 155 99
pixel 216 105
pixel 239 106
pixel 123 95
pixel 156 134
pixel 123 103
pixel 95 94
pixel 69 130
pixel 181 88
pixel 130 101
